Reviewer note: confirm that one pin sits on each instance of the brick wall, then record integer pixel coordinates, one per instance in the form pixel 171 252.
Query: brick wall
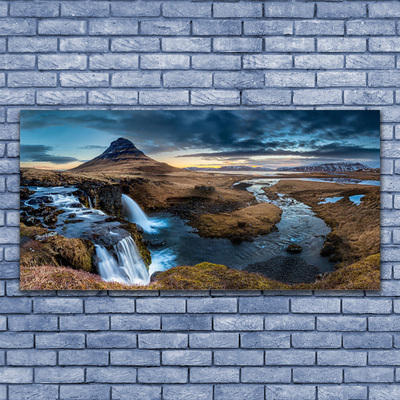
pixel 199 345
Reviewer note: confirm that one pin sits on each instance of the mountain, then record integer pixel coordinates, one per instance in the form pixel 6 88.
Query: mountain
pixel 229 168
pixel 331 167
pixel 122 156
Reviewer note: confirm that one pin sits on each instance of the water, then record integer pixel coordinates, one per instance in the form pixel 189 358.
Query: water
pixel 183 246
pixel 330 200
pixel 341 181
pixel 356 199
pixel 135 214
pixel 122 262
pixel 129 269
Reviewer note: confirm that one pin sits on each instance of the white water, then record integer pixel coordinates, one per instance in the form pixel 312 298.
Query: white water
pixel 130 268
pixel 124 264
pixel 136 215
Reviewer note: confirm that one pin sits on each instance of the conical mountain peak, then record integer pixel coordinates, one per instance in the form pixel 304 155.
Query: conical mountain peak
pixel 122 156
pixel 121 148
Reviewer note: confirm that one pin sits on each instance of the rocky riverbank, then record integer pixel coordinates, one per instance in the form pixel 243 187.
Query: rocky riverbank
pixel 355 228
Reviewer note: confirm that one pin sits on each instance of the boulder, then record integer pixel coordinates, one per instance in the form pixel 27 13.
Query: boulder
pixel 25 193
pixel 50 219
pixel 294 248
pixel 157 243
pixel 31 221
pixel 327 249
pixel 154 275
pixel 45 236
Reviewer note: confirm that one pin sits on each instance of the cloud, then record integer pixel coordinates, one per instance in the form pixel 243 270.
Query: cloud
pixel 224 133
pixel 334 151
pixel 40 153
pixel 93 147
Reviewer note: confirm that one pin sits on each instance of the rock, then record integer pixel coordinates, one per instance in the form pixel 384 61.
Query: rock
pixel 50 219
pixel 330 247
pixel 241 224
pixel 104 196
pixel 75 205
pixel 157 243
pixel 71 215
pixel 154 275
pixel 31 221
pixel 294 248
pixel 25 193
pixel 205 189
pixel 327 249
pixel 45 236
pixel 333 238
pixel 335 257
pixel 73 221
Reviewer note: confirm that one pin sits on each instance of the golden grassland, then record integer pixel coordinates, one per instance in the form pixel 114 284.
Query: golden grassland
pixel 205 276
pixel 67 264
pixel 256 220
pixel 358 226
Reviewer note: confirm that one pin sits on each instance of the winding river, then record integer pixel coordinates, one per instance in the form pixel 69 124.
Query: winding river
pixel 172 242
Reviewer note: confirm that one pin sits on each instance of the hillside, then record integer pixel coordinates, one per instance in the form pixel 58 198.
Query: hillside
pixel 122 156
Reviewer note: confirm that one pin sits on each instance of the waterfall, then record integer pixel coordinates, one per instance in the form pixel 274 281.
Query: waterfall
pixel 90 202
pixel 129 269
pixel 135 213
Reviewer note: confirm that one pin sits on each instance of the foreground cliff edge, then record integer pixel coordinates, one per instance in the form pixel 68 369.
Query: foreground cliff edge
pixel 362 275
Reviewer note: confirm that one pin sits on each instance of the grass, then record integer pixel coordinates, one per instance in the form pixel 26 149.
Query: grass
pixel 204 276
pixel 55 250
pixel 252 221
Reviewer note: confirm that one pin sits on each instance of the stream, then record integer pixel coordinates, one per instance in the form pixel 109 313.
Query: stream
pixel 172 242
pixel 183 246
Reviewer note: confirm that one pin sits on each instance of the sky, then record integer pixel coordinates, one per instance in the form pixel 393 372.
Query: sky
pixel 63 139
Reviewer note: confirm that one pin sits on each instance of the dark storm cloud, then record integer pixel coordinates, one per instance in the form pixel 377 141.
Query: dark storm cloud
pixel 93 147
pixel 333 151
pixel 228 133
pixel 39 152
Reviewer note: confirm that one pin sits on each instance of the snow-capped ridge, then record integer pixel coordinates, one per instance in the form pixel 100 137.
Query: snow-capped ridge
pixel 328 167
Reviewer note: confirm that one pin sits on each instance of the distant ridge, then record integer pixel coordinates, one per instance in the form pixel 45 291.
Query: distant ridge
pixel 122 156
pixel 229 168
pixel 330 167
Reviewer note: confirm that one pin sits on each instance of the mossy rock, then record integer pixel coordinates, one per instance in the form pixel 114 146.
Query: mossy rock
pixel 59 251
pixel 205 276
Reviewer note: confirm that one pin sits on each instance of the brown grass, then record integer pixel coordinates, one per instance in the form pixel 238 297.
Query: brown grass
pixel 364 274
pixel 205 276
pixel 56 250
pixel 358 226
pixel 63 278
pixel 256 220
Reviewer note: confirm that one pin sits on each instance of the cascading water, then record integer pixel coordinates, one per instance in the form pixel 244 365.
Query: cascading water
pixel 124 264
pixel 129 269
pixel 135 214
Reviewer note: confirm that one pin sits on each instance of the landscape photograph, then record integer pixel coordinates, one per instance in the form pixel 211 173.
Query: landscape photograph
pixel 200 200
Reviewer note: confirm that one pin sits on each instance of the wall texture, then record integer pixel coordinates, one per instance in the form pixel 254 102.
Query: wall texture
pixel 201 345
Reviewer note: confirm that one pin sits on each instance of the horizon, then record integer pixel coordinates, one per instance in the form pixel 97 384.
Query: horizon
pixel 61 140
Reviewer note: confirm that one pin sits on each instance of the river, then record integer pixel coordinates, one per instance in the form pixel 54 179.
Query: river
pixel 172 242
